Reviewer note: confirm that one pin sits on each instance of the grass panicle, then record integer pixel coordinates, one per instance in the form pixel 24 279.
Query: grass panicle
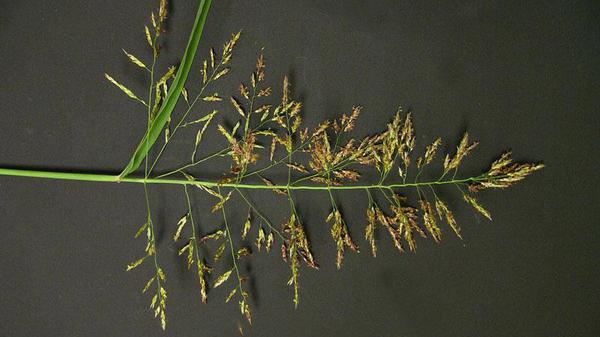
pixel 269 133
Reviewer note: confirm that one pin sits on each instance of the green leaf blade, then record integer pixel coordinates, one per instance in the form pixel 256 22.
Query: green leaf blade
pixel 172 98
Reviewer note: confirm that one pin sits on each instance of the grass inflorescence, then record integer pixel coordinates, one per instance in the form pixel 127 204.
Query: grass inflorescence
pixel 322 159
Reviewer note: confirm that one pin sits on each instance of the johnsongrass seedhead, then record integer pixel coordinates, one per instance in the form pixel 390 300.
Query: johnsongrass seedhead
pixel 320 159
pixel 326 157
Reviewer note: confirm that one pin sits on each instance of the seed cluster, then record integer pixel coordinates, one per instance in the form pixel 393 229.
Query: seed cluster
pixel 324 158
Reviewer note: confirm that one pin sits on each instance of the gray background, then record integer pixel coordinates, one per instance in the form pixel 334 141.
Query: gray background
pixel 516 74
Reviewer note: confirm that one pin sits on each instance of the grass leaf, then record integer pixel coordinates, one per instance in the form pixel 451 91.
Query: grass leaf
pixel 172 97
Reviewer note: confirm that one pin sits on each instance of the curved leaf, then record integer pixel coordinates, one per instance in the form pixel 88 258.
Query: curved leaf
pixel 174 92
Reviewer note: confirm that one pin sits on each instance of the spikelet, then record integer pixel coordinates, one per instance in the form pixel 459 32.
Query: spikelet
pixel 221 202
pixel 269 243
pixel 162 10
pixel 293 281
pixel 387 224
pixel 148 37
pixel 221 73
pixel 348 121
pixel 220 250
pixel 189 248
pixel 243 252
pixel 238 108
pixel 228 48
pixel 244 91
pixel 206 120
pixel 260 68
pixel 245 310
pixel 180 224
pixel 223 278
pixel 286 91
pixel 135 60
pixel 201 268
pixel 148 284
pixel 167 75
pixel 260 239
pixel 504 173
pixel 407 141
pixel 473 202
pixel 370 230
pixel 299 240
pixel 158 304
pixel 340 235
pixel 124 89
pixel 297 167
pixel 442 209
pixel 264 92
pixel 246 227
pixel 140 230
pixel 430 151
pixel 136 263
pixel 212 98
pixel 231 293
pixel 263 109
pixel 429 220
pixel 462 150
pixel 213 236
pixel 406 219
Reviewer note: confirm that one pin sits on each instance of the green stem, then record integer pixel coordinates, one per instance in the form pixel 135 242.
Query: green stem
pixel 233 254
pixel 109 178
pixel 194 237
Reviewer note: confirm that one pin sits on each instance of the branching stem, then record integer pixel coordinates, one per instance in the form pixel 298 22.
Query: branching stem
pixel 231 248
pixel 259 214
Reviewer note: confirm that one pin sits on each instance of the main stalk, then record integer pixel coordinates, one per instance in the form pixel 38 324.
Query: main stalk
pixel 109 178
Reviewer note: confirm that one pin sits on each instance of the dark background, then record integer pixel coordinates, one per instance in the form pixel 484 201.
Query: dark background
pixel 516 74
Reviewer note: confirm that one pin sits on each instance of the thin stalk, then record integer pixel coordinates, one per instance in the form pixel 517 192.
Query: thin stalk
pixel 333 204
pixel 279 161
pixel 218 153
pixel 162 149
pixel 108 178
pixel 260 215
pixel 194 237
pixel 215 154
pixel 233 255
